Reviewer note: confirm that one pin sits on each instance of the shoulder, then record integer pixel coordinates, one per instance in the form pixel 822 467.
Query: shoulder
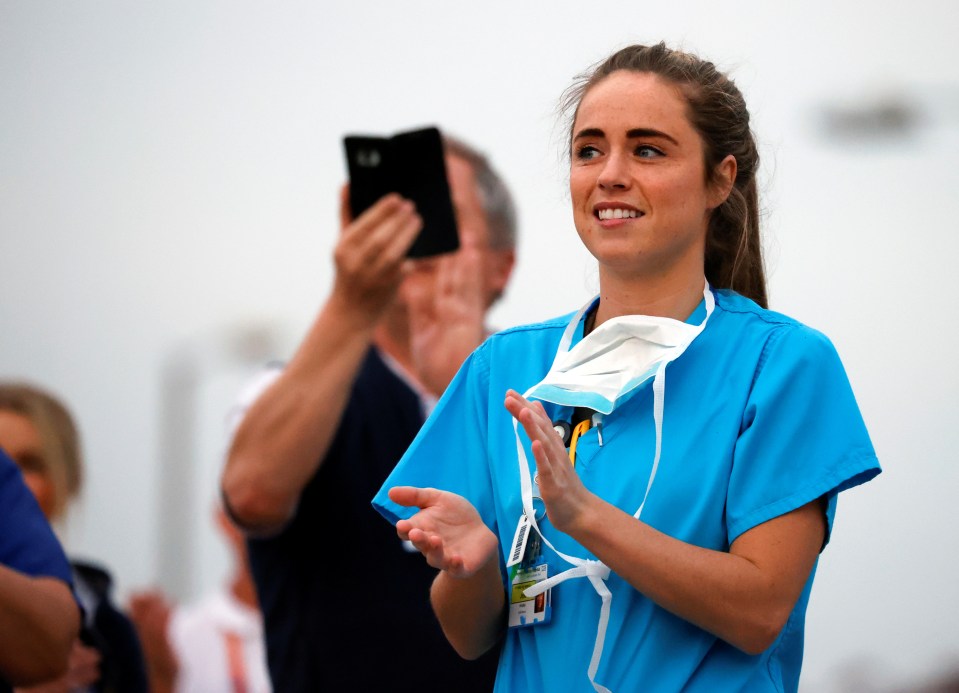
pixel 747 311
pixel 522 336
pixel 518 348
pixel 27 543
pixel 748 321
pixel 94 576
pixel 557 323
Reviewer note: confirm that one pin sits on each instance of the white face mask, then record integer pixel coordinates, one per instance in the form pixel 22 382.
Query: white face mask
pixel 614 359
pixel 599 373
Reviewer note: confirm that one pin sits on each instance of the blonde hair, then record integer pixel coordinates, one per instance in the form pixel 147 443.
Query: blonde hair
pixel 58 435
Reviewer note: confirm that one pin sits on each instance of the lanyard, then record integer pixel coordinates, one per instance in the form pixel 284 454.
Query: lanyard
pixel 596 571
pixel 578 430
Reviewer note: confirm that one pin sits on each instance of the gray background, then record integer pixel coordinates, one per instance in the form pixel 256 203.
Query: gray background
pixel 168 181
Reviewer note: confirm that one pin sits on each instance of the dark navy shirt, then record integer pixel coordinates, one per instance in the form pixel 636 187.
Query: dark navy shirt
pixel 346 607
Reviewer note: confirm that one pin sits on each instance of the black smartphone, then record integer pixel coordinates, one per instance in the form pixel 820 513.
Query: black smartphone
pixel 411 164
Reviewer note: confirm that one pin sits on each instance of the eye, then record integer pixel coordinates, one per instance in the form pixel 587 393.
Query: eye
pixel 645 151
pixel 30 462
pixel 587 152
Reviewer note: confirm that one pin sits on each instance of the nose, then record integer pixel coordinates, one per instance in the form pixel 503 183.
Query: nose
pixel 615 173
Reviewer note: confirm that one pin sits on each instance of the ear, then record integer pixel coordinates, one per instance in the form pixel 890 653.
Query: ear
pixel 499 269
pixel 724 175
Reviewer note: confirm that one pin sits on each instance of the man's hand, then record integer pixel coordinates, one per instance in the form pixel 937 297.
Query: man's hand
pixel 150 612
pixel 447 303
pixel 370 256
pixel 447 530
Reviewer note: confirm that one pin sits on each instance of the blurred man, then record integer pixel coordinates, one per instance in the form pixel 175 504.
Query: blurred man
pixel 346 606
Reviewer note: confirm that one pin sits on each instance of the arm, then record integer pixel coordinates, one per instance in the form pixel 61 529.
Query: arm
pixel 288 430
pixel 83 670
pixel 467 595
pixel 743 596
pixel 39 621
pixel 150 613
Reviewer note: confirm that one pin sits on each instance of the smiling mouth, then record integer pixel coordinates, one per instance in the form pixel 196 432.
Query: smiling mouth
pixel 617 213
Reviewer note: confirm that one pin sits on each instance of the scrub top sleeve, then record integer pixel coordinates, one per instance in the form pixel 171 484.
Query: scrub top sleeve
pixel 27 543
pixel 802 435
pixel 450 451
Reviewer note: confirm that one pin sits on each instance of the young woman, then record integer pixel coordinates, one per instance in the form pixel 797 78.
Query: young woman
pixel 648 514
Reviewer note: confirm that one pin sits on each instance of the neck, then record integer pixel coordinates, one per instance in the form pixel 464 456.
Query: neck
pixel 668 296
pixel 392 336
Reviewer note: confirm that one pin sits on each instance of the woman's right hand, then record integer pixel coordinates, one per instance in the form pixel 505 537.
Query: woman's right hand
pixel 447 530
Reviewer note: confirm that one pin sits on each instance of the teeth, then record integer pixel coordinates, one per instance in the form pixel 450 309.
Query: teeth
pixel 617 213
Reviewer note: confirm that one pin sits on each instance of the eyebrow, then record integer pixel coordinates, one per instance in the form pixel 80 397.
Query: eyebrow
pixel 633 134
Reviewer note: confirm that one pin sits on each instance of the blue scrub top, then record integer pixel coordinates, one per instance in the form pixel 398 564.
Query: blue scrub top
pixel 759 420
pixel 27 543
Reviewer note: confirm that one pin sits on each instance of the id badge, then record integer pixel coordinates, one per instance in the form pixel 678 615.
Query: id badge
pixel 527 568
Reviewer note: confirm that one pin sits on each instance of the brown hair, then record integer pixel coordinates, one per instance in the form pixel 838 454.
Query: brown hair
pixel 58 435
pixel 717 110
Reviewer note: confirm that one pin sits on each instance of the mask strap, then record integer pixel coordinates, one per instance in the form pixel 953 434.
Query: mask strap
pixel 596 571
pixel 570 330
pixel 659 396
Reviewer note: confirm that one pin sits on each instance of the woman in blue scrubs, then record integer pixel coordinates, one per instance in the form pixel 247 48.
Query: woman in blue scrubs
pixel 635 495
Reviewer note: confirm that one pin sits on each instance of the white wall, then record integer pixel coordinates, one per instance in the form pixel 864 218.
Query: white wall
pixel 168 177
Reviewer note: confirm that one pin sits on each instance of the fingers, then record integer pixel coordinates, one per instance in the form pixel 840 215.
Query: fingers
pixel 433 549
pixel 388 227
pixel 552 460
pixel 411 496
pixel 461 273
pixel 371 251
pixel 532 416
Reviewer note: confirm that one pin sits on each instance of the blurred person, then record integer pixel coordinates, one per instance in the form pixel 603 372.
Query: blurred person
pixel 345 603
pixel 39 434
pixel 39 617
pixel 212 646
pixel 673 523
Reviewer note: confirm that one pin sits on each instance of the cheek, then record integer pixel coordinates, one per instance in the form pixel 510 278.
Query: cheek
pixel 42 489
pixel 580 187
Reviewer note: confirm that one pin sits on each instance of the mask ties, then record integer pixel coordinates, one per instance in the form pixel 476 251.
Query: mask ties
pixel 596 572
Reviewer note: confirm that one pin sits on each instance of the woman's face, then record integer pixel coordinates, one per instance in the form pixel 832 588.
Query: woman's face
pixel 21 441
pixel 641 204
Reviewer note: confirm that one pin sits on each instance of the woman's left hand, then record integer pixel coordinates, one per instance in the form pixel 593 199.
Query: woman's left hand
pixel 567 500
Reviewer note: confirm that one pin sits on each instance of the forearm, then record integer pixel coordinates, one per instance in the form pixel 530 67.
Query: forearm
pixel 39 621
pixel 287 432
pixel 472 610
pixel 743 596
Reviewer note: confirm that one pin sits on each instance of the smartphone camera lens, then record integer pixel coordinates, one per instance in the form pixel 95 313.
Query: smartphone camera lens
pixel 368 158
